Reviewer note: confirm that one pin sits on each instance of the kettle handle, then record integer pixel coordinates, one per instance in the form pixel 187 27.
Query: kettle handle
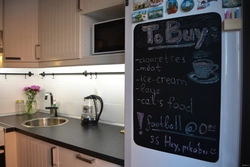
pixel 95 97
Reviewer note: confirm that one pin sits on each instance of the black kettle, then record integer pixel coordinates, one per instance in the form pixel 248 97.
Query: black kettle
pixel 90 111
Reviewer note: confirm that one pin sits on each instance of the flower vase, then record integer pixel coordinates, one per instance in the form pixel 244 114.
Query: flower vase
pixel 31 106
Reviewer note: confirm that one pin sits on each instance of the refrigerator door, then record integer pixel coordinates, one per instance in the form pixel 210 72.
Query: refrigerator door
pixel 183 85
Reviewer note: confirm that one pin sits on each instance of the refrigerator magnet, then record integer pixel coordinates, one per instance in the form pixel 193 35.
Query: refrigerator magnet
pixel 154 3
pixel 139 16
pixel 140 4
pixel 231 3
pixel 202 4
pixel 187 5
pixel 172 6
pixel 154 13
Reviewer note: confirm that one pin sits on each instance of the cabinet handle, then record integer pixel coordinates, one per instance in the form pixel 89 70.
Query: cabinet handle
pixel 89 160
pixel 79 5
pixel 126 2
pixel 1 38
pixel 52 156
pixel 37 52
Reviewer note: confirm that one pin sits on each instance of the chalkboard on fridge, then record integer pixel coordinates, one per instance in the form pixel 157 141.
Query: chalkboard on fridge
pixel 177 85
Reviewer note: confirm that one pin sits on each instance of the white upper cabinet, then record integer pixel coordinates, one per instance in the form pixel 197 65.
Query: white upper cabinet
pixel 20 29
pixel 53 33
pixel 1 31
pixel 1 15
pixel 88 6
pixel 68 41
pixel 59 30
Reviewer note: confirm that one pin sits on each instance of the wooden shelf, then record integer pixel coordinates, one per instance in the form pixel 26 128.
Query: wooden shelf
pixel 232 24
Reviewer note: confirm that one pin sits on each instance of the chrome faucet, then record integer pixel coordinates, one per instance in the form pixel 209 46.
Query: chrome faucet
pixel 53 109
pixel 51 98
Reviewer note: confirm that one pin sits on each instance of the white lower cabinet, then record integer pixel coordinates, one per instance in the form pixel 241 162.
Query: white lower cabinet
pixel 69 158
pixel 10 149
pixel 32 152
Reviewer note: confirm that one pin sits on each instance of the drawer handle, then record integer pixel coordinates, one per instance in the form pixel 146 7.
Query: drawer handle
pixel 79 5
pixel 89 160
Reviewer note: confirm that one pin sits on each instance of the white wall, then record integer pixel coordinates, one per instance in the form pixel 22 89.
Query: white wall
pixel 68 90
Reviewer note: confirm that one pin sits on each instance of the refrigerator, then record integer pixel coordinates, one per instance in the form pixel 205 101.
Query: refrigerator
pixel 183 83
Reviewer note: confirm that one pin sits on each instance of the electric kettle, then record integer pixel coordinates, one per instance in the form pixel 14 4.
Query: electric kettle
pixel 90 111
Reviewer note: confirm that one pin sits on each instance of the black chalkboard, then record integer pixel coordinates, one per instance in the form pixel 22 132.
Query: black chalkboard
pixel 177 85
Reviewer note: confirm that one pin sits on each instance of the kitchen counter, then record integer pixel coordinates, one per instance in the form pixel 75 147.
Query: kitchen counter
pixel 102 141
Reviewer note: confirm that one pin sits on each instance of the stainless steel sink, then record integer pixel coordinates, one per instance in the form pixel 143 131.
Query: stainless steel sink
pixel 45 122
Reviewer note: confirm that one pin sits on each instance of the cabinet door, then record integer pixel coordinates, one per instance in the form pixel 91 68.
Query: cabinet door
pixel 88 6
pixel 10 149
pixel 32 152
pixel 59 34
pixel 1 15
pixel 68 158
pixel 20 31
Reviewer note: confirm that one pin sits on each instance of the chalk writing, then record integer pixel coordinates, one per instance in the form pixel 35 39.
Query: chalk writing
pixel 153 91
pixel 149 68
pixel 140 118
pixel 151 101
pixel 173 34
pixel 194 148
pixel 174 124
pixel 146 60
pixel 182 107
pixel 176 103
pixel 164 123
pixel 171 81
pixel 189 147
pixel 163 80
pixel 155 140
pixel 174 59
pixel 169 143
pixel 164 59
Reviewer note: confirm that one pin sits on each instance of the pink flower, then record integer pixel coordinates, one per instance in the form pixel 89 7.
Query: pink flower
pixel 35 88
pixel 31 91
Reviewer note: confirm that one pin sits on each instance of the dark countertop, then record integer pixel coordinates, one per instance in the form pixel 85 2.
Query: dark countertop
pixel 102 141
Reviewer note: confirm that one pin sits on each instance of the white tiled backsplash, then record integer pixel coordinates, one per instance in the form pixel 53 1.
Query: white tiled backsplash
pixel 68 90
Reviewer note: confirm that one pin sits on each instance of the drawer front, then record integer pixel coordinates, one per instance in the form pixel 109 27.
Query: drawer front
pixel 69 158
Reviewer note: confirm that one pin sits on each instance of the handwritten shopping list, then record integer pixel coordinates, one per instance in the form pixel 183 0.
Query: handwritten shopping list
pixel 177 86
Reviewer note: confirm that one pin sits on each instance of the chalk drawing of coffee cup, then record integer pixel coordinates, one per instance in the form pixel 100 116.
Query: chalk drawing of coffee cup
pixel 204 67
pixel 201 54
